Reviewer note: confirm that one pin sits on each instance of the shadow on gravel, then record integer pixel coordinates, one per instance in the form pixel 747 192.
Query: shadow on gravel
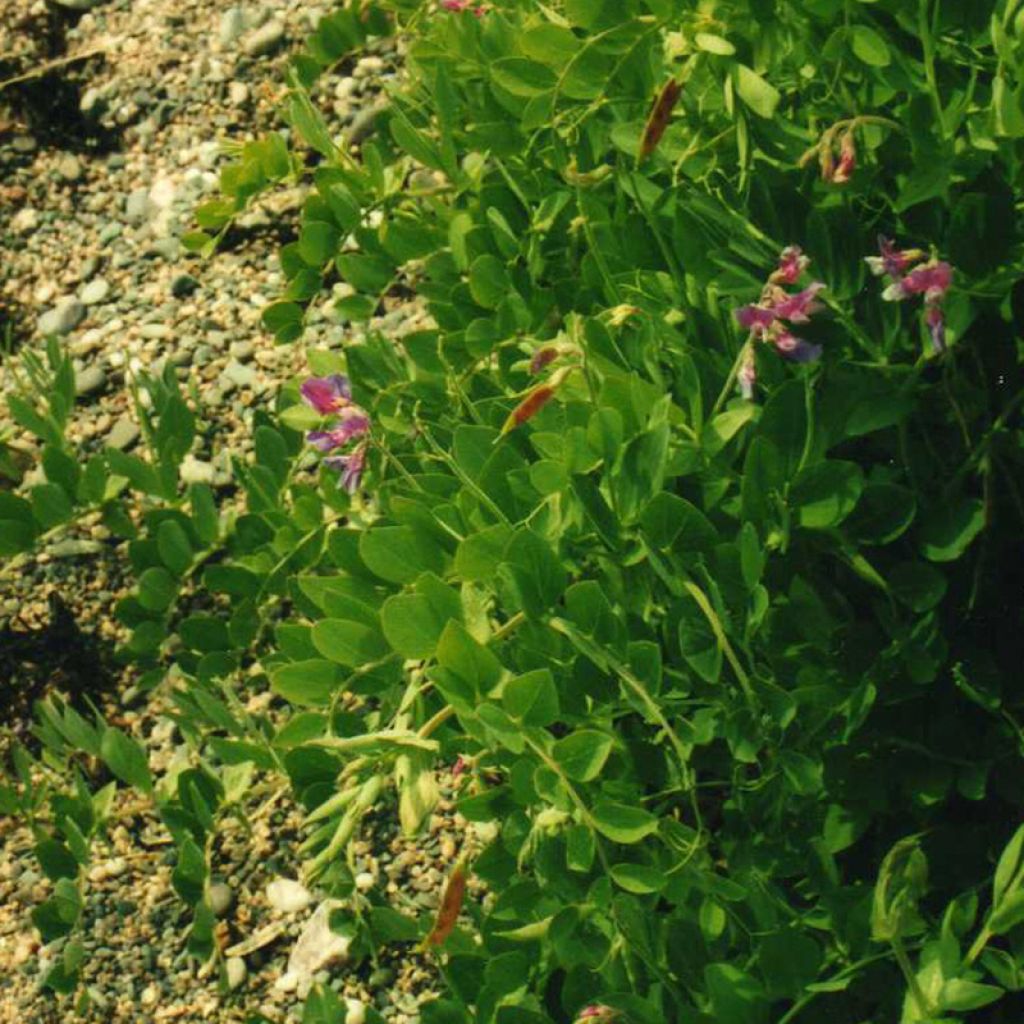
pixel 49 105
pixel 55 656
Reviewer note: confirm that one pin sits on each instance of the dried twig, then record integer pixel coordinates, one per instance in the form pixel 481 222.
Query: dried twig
pixel 51 65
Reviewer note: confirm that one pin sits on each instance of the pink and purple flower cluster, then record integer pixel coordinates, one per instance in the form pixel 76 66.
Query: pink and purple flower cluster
pixel 457 6
pixel 768 319
pixel 908 277
pixel 332 396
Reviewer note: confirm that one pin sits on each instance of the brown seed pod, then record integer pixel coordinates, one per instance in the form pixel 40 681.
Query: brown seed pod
pixel 529 406
pixel 451 904
pixel 657 120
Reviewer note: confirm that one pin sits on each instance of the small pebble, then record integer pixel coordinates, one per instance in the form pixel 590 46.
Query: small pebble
pixel 288 896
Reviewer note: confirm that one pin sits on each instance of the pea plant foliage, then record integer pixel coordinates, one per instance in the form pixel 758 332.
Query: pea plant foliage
pixel 685 538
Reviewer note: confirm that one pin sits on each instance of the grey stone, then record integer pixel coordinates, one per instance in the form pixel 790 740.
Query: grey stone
pixel 91 102
pixel 243 351
pixel 221 896
pixel 69 168
pixel 238 94
pixel 79 5
pixel 235 970
pixel 237 375
pixel 138 207
pixel 89 267
pixel 90 380
pixel 109 233
pixel 95 292
pixel 232 24
pixel 123 434
pixel 63 318
pixel 182 285
pixel 155 331
pixel 265 39
pixel 164 248
pixel 23 143
pixel 195 471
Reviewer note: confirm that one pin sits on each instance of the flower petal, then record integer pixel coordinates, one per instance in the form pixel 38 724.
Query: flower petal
pixel 795 349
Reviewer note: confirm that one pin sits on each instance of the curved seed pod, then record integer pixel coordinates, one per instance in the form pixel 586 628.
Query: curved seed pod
pixel 331 807
pixel 451 904
pixel 658 119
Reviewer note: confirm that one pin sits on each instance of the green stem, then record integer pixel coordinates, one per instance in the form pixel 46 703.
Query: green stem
pixel 907 968
pixel 924 28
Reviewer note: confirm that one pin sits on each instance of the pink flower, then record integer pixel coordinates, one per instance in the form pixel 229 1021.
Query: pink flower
pixel 755 318
pixel 792 263
pixel 353 422
pixel 596 1012
pixel 350 467
pixel 931 280
pixel 892 262
pixel 326 394
pixel 935 321
pixel 795 349
pixel 799 307
pixel 464 5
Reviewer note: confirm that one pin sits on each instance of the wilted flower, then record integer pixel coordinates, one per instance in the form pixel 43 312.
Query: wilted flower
pixel 892 262
pixel 349 467
pixel 597 1013
pixel 935 321
pixel 792 263
pixel 795 349
pixel 843 170
pixel 326 394
pixel 463 5
pixel 747 376
pixel 529 407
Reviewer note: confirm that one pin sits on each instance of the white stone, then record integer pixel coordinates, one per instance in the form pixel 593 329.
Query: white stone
pixel 316 947
pixel 365 881
pixel 355 1012
pixel 25 221
pixel 283 894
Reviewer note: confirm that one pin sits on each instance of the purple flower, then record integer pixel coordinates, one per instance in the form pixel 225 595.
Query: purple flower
pixel 792 263
pixel 350 467
pixel 935 321
pixel 353 422
pixel 892 262
pixel 799 307
pixel 326 394
pixel 795 349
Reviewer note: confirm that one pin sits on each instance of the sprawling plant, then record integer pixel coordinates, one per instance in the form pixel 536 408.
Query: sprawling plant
pixel 688 531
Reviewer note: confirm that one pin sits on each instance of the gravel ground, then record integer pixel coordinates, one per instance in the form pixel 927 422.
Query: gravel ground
pixel 101 164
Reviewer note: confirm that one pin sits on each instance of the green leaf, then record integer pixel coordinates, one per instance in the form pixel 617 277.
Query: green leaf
pixel 825 494
pixel 638 878
pixel 489 282
pixel 532 698
pixel 126 759
pixel 698 642
pixel 305 683
pixel 1009 861
pixel 157 589
pixel 1008 914
pixel 918 585
pixel 174 547
pixel 17 524
pixel 761 96
pixel 537 575
pixel 473 663
pixel 399 554
pixel 869 46
pixel 522 77
pixel 710 43
pixel 204 633
pixel 961 995
pixel 949 529
pixel 56 860
pixel 623 823
pixel 348 643
pixel 318 242
pixel 51 504
pixel 582 754
pixel 413 623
